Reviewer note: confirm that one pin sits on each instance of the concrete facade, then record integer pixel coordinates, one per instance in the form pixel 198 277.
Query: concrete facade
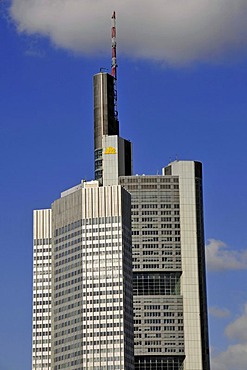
pixel 115 159
pixel 42 292
pixel 193 278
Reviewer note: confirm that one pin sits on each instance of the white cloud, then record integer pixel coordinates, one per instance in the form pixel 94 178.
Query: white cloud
pixel 235 357
pixel 220 257
pixel 219 312
pixel 171 31
pixel 238 329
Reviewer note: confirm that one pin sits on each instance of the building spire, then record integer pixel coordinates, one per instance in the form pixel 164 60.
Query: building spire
pixel 114 46
pixel 114 61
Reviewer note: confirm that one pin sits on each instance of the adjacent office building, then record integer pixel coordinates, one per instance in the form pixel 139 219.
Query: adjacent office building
pixel 119 265
pixel 170 311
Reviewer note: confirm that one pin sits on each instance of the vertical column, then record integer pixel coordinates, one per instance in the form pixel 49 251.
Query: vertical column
pixel 42 235
pixel 190 265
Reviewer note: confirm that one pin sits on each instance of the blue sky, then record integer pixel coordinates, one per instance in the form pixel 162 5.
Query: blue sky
pixel 183 96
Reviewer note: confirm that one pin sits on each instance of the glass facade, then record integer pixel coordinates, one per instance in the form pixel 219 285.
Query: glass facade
pixel 157 269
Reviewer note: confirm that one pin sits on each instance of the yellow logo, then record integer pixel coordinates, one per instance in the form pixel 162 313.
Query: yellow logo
pixel 110 150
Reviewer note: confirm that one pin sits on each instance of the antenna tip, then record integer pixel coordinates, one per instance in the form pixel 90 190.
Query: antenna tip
pixel 114 15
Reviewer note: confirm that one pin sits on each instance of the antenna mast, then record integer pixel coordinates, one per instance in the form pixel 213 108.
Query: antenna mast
pixel 114 46
pixel 114 61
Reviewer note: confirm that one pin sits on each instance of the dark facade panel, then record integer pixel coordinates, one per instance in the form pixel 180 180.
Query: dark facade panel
pixel 105 122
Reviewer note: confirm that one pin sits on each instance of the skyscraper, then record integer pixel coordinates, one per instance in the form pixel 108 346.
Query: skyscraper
pixel 83 300
pixel 92 279
pixel 119 266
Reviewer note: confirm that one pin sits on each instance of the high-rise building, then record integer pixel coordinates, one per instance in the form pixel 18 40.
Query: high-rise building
pixel 118 265
pixel 92 316
pixel 83 299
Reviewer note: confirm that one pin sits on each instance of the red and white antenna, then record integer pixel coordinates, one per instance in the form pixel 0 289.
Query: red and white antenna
pixel 114 46
pixel 114 61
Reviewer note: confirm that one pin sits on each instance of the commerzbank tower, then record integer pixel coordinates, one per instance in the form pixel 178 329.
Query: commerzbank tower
pixel 119 261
